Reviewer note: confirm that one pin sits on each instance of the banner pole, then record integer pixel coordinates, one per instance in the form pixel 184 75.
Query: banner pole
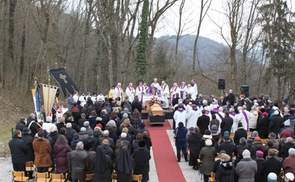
pixel 48 72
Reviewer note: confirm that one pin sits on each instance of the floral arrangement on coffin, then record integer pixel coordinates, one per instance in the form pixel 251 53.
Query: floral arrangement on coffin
pixel 154 100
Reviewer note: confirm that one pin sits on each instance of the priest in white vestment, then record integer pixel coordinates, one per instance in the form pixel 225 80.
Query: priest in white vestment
pixel 179 115
pixel 76 97
pixel 237 117
pixel 195 89
pixel 100 97
pixel 219 116
pixel 165 89
pixel 156 84
pixel 245 117
pixel 118 91
pixel 183 90
pixel 174 90
pixel 82 99
pixel 130 92
pixel 192 116
pixel 140 91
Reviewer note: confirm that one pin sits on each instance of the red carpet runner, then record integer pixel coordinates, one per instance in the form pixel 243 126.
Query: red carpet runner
pixel 164 156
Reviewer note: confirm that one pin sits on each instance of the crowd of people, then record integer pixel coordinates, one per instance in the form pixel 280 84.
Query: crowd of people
pixel 102 138
pixel 102 134
pixel 237 139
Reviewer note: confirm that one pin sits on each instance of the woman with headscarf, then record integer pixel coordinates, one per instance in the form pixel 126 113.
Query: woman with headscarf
pixel 102 166
pixel 124 166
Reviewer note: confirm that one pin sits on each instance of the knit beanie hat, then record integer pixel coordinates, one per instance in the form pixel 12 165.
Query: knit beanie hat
pixel 272 177
pixel 289 176
pixel 291 151
pixel 257 139
pixel 259 154
pixel 208 142
pixel 246 154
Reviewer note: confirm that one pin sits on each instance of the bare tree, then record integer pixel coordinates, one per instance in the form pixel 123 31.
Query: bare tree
pixel 205 5
pixel 180 28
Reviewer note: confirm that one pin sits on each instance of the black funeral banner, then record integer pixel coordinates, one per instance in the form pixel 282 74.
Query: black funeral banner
pixel 65 81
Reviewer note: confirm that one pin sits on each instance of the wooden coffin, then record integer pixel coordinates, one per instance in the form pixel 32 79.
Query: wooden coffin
pixel 156 110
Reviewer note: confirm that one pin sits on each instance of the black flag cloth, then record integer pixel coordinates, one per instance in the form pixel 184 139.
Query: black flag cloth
pixel 65 81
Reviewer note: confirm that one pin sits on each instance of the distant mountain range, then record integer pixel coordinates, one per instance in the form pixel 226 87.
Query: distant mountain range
pixel 208 50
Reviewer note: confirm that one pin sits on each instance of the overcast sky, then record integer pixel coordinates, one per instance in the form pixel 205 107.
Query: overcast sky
pixel 169 23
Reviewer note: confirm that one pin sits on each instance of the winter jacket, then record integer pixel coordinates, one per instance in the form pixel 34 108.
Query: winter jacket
pixel 225 172
pixel 246 170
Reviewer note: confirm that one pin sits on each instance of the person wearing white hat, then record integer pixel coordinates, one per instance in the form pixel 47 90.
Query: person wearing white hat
pixel 207 156
pixel 289 177
pixel 272 177
pixel 275 123
pixel 246 168
pixel 289 163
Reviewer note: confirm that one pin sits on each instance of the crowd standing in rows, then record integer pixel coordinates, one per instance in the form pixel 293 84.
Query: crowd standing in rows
pixel 100 137
pixel 98 134
pixel 252 138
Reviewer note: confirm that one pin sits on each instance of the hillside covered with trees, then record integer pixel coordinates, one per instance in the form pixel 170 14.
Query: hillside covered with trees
pixel 102 42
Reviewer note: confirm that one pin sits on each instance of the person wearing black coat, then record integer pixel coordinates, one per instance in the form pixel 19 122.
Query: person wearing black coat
pixel 194 147
pixel 257 145
pixel 262 126
pixel 231 97
pixel 18 151
pixel 259 160
pixel 227 146
pixel 103 166
pixel 276 123
pixel 124 166
pixel 226 170
pixel 26 137
pixel 226 123
pixel 175 100
pixel 21 124
pixel 136 104
pixel 239 133
pixel 240 148
pixel 271 164
pixel 203 122
pixel 141 157
pixel 289 143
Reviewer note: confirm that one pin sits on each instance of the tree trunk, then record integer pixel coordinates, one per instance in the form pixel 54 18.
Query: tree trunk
pixel 22 56
pixel 3 69
pixel 12 5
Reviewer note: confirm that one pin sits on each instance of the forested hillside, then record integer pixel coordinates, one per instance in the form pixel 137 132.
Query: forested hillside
pixel 102 42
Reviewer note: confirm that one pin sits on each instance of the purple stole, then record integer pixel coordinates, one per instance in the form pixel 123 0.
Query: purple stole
pixel 164 87
pixel 141 89
pixel 119 91
pixel 129 88
pixel 173 95
pixel 180 109
pixel 181 92
pixel 216 109
pixel 232 113
pixel 247 120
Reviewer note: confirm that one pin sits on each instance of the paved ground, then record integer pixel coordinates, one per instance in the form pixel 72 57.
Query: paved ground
pixel 189 174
